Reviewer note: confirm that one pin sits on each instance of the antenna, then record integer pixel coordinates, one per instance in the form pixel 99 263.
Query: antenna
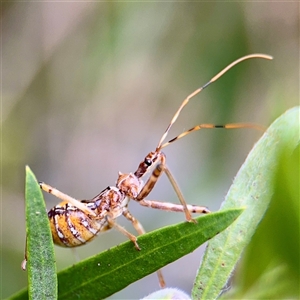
pixel 187 99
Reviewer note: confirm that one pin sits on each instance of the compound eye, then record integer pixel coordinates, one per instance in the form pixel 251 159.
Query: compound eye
pixel 148 162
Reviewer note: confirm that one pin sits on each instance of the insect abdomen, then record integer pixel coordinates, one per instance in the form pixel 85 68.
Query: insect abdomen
pixel 71 227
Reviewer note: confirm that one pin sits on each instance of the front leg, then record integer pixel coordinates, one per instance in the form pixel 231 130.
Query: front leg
pixel 149 185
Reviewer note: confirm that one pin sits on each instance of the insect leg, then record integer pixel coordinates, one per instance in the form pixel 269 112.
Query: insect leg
pixel 179 195
pixel 132 237
pixel 159 169
pixel 136 224
pixel 139 228
pixel 150 183
pixel 53 191
pixel 174 207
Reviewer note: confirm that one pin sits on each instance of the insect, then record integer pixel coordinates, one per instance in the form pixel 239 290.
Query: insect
pixel 75 222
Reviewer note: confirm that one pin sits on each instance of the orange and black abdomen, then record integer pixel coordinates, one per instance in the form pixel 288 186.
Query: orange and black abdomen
pixel 71 227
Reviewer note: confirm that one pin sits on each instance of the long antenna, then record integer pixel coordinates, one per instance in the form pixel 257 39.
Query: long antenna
pixel 187 99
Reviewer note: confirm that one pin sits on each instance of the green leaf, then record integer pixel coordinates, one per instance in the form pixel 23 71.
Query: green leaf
pixel 275 247
pixel 41 267
pixel 110 271
pixel 253 187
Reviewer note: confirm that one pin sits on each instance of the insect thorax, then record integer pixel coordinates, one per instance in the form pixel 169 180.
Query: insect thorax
pixel 129 184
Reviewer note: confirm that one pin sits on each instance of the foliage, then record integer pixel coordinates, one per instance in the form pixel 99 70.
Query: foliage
pixel 114 268
pixel 255 185
pixel 274 159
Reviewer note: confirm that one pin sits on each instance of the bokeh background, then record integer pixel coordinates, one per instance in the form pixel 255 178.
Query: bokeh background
pixel 89 88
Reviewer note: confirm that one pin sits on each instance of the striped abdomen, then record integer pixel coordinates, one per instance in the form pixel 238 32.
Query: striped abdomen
pixel 71 227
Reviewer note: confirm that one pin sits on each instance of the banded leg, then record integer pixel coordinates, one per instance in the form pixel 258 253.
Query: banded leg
pixel 149 185
pixel 64 197
pixel 132 237
pixel 179 195
pixel 140 229
pixel 195 209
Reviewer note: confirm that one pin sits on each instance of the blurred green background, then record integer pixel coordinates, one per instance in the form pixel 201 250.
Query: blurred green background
pixel 89 88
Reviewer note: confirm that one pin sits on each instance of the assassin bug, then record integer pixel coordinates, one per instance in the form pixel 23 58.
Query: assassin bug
pixel 75 222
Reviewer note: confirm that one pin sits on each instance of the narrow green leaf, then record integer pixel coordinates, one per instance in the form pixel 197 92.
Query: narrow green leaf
pixel 41 267
pixel 253 187
pixel 116 268
pixel 110 271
